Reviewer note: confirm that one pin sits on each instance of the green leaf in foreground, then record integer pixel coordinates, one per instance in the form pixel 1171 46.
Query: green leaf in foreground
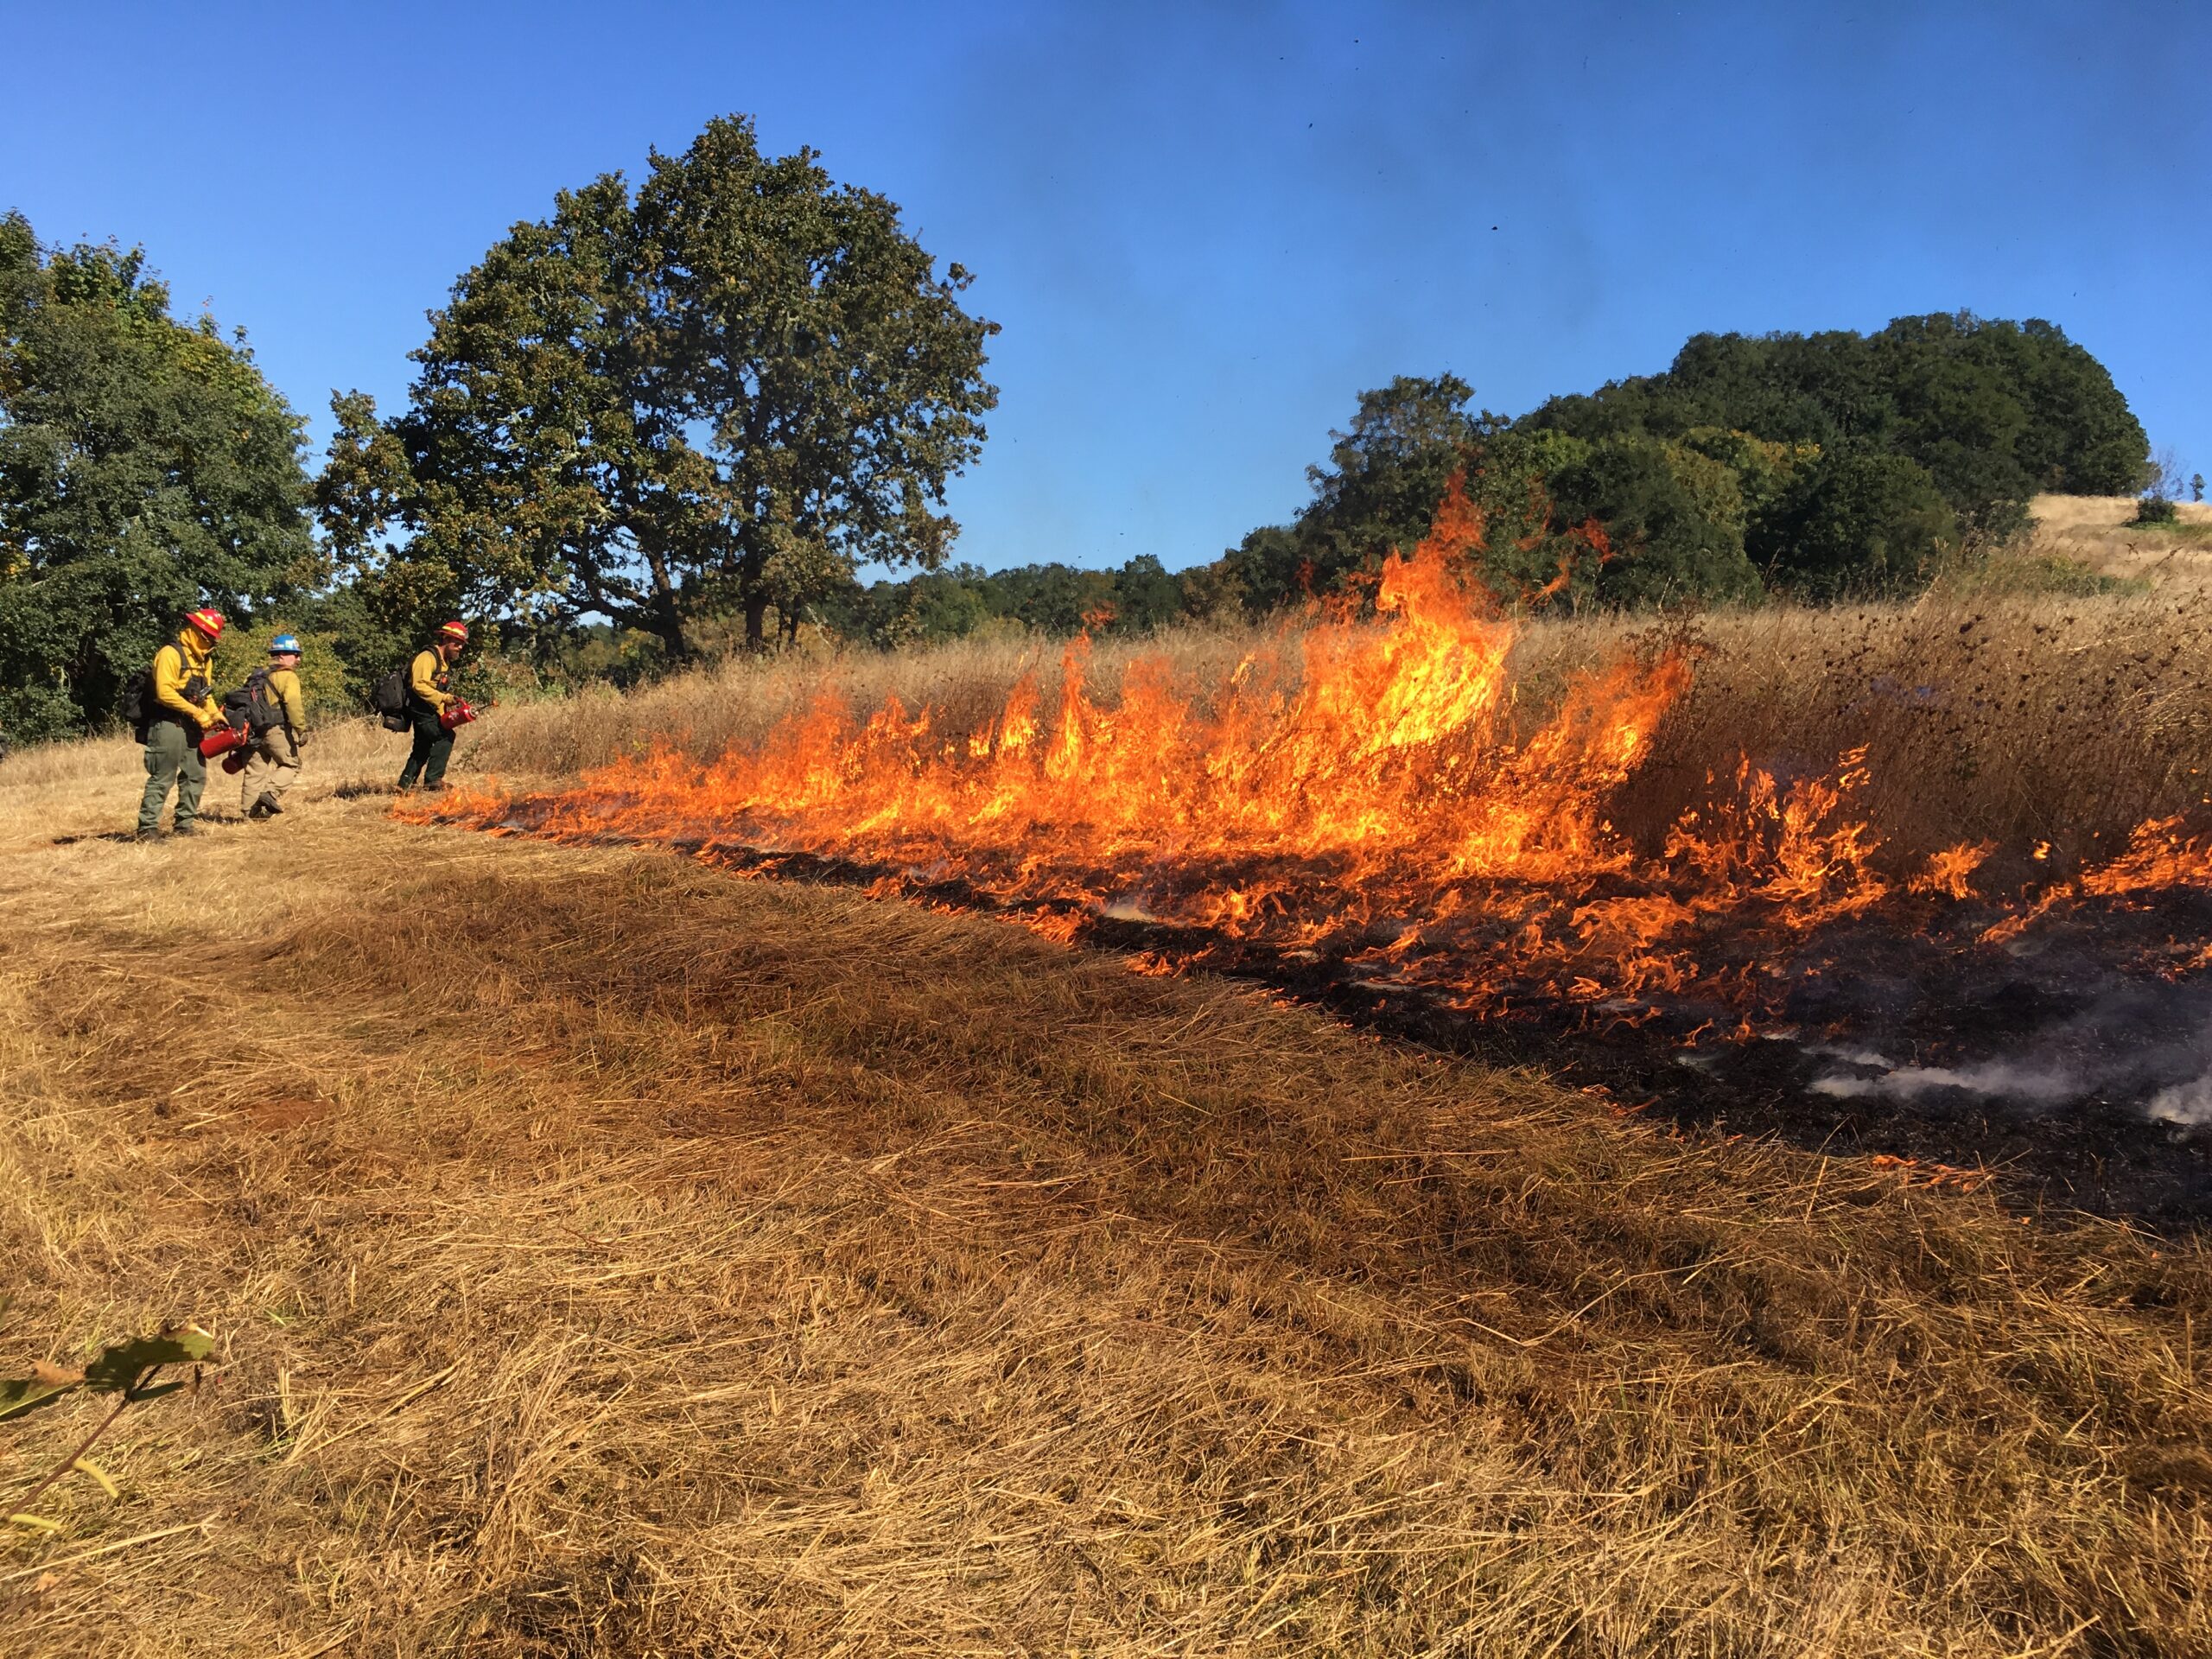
pixel 120 1366
pixel 46 1384
pixel 115 1371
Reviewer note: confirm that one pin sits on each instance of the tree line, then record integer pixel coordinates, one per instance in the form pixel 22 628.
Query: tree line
pixel 1822 466
pixel 681 417
pixel 1818 466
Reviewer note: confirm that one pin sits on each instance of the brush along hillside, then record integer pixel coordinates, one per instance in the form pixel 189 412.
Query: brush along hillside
pixel 610 1255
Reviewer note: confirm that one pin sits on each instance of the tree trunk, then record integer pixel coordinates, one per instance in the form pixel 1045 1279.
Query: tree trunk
pixel 668 627
pixel 667 623
pixel 756 622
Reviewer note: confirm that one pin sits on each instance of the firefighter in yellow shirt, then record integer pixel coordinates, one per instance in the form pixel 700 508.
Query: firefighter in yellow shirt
pixel 429 692
pixel 183 708
pixel 278 717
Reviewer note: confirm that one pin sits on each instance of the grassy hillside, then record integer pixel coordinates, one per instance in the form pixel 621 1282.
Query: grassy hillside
pixel 612 1256
pixel 2100 532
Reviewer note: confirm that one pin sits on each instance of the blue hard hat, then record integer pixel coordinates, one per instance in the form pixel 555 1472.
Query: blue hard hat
pixel 282 642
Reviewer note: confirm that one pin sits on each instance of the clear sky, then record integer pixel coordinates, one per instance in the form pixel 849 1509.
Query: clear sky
pixel 1204 226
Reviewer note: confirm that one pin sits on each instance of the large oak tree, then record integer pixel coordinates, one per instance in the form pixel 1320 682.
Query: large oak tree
pixel 146 468
pixel 724 391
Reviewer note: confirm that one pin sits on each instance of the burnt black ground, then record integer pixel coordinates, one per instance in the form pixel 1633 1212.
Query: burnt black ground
pixel 2079 1009
pixel 2094 1009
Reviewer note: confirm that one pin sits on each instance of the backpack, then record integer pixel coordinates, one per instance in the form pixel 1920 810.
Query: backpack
pixel 389 698
pixel 136 705
pixel 251 707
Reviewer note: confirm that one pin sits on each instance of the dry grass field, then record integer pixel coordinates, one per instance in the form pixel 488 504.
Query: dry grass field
pixel 611 1256
pixel 2098 531
pixel 1987 714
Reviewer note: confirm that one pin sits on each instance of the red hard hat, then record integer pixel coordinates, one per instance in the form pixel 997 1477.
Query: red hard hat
pixel 208 622
pixel 456 631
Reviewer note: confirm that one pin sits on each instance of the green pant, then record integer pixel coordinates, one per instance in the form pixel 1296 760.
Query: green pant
pixel 172 759
pixel 427 759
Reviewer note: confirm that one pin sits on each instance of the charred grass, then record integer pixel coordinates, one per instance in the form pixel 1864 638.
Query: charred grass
pixel 612 1257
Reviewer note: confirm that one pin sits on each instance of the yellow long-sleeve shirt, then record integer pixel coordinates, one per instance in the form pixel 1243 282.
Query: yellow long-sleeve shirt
pixel 285 690
pixel 177 665
pixel 428 677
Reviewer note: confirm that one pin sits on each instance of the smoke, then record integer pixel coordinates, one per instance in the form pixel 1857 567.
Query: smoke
pixel 2188 1103
pixel 1994 1079
pixel 2143 1045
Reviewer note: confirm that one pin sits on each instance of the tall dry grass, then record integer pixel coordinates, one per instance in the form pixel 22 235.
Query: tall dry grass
pixel 2016 720
pixel 611 1257
pixel 742 699
pixel 2012 718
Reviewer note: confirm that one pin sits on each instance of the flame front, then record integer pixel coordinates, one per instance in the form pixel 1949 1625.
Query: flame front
pixel 1360 789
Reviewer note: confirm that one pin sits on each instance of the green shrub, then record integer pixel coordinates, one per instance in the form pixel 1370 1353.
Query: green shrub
pixel 1856 523
pixel 39 714
pixel 323 672
pixel 1674 519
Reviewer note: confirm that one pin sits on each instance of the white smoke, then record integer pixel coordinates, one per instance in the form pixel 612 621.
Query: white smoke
pixel 2147 1045
pixel 1994 1080
pixel 1860 1057
pixel 2187 1103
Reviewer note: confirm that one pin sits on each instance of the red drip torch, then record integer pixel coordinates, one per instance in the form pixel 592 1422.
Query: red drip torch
pixel 222 740
pixel 458 713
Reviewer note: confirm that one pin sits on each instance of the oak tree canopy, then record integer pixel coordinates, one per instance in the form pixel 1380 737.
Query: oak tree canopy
pixel 146 468
pixel 726 390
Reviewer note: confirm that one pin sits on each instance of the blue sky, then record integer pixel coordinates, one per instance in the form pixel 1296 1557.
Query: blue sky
pixel 1204 227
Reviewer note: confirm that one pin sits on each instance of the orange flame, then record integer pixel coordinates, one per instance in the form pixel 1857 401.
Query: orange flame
pixel 1361 787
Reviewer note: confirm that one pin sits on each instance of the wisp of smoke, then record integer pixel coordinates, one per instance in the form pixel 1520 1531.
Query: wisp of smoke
pixel 2187 1103
pixel 2147 1045
pixel 1994 1079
